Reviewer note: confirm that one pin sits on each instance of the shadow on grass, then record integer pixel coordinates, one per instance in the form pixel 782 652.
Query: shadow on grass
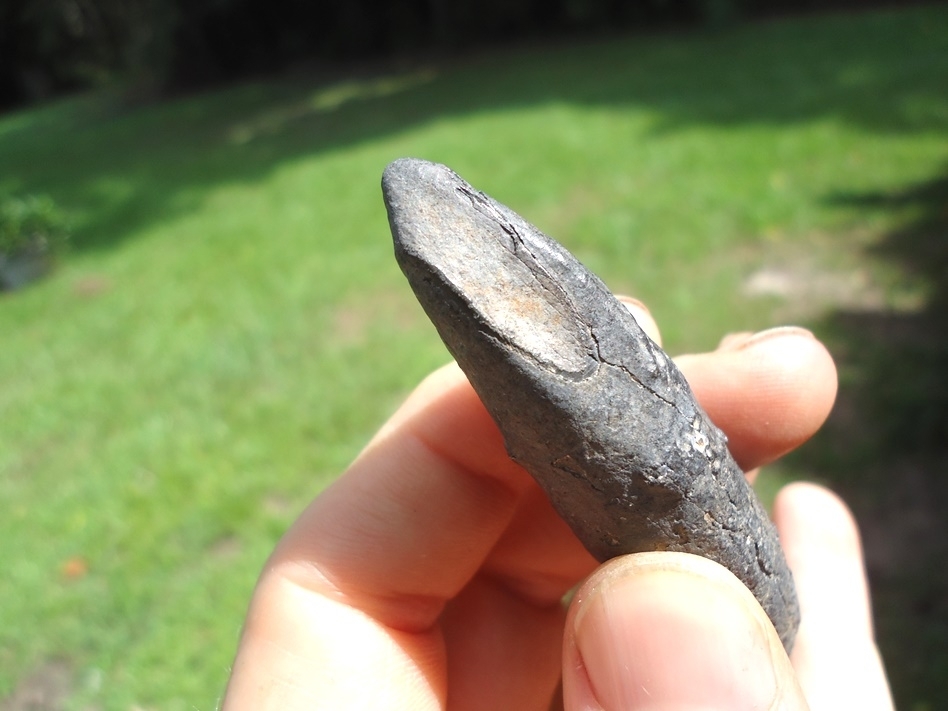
pixel 120 172
pixel 886 444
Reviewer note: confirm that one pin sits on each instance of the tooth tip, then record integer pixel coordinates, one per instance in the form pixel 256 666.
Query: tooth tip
pixel 404 174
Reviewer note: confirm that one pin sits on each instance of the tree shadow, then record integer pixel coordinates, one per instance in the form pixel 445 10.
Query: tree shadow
pixel 120 170
pixel 885 446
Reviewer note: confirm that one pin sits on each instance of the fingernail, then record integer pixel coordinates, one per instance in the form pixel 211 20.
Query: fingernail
pixel 662 631
pixel 733 341
pixel 772 334
pixel 632 303
pixel 643 317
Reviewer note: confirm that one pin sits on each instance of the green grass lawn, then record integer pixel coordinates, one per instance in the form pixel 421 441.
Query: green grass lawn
pixel 229 325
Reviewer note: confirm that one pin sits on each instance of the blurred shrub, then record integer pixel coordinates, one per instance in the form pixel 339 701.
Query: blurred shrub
pixel 32 231
pixel 50 46
pixel 149 46
pixel 30 222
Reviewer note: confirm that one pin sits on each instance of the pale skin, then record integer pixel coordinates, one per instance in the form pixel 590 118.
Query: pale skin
pixel 433 573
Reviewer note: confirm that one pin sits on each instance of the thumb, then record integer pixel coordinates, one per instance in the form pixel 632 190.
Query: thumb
pixel 672 632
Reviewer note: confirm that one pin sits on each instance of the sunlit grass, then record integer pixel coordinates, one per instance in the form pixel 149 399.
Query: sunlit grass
pixel 230 327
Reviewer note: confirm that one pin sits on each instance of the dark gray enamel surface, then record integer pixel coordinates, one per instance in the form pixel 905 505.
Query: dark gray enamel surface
pixel 587 402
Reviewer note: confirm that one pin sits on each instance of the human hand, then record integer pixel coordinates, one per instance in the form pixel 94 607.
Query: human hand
pixel 432 574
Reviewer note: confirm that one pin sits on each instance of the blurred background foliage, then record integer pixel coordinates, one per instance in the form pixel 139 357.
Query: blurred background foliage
pixel 146 48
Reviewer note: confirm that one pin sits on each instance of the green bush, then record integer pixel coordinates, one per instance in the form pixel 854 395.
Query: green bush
pixel 32 223
pixel 146 48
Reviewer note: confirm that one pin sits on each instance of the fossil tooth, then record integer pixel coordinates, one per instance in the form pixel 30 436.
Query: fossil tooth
pixel 587 403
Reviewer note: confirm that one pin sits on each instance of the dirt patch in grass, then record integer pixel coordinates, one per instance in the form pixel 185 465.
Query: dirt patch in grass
pixel 46 688
pixel 809 278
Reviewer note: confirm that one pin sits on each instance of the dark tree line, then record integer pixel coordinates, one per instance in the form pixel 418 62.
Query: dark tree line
pixel 147 47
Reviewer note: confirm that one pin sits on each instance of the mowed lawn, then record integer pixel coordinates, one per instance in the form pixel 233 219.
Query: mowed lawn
pixel 229 326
